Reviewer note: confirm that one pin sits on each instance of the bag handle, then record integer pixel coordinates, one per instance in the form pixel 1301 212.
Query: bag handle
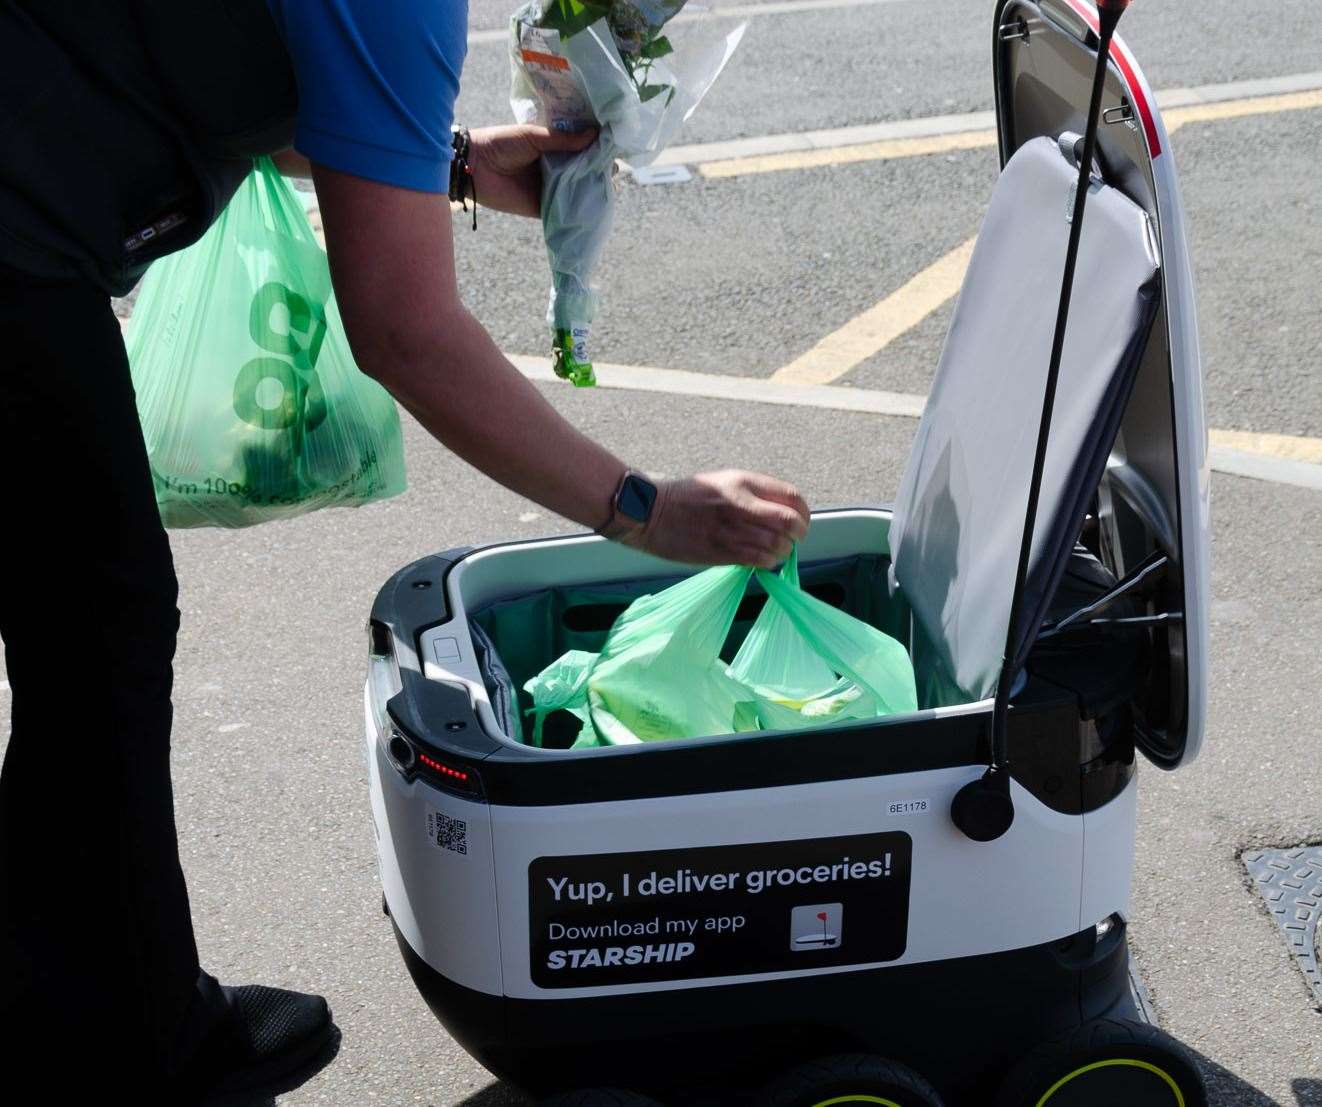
pixel 799 605
pixel 281 208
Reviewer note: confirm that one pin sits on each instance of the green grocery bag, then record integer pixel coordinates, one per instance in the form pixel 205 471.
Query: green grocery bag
pixel 250 402
pixel 659 674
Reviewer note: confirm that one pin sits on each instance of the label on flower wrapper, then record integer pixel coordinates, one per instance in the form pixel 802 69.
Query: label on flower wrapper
pixel 563 102
pixel 570 360
pixel 579 337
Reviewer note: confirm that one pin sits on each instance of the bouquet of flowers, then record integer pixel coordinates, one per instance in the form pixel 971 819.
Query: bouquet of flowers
pixel 614 65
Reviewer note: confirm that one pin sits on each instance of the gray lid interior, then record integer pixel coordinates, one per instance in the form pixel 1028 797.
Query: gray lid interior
pixel 959 516
pixel 1152 499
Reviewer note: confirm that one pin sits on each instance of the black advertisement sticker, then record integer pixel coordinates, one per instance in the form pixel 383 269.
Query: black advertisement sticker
pixel 626 918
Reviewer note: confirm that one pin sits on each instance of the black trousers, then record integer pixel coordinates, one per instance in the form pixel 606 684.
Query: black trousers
pixel 98 965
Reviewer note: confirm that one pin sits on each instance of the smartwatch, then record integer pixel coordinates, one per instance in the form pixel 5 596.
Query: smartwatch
pixel 631 506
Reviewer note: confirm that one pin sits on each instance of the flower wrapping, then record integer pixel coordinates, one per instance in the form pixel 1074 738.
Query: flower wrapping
pixel 619 66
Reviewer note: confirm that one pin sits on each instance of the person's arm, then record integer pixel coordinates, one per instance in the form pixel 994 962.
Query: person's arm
pixel 506 163
pixel 392 263
pixel 292 164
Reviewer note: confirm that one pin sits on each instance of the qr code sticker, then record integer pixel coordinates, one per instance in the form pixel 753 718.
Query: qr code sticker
pixel 447 833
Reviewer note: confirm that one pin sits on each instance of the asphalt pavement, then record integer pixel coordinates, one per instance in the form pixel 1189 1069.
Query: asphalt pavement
pixel 903 59
pixel 739 276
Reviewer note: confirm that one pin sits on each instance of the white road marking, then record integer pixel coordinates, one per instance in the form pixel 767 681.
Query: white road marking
pixel 721 11
pixel 888 150
pixel 789 142
pixel 716 386
pixel 1241 463
pixel 1239 90
pixel 1282 469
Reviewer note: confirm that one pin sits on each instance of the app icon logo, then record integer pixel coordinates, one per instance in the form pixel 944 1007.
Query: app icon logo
pixel 816 926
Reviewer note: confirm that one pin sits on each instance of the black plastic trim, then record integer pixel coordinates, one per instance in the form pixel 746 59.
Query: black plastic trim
pixel 438 716
pixel 527 776
pixel 1071 765
pixel 414 599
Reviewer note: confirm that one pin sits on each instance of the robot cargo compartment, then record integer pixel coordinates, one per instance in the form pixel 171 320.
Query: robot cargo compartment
pixel 511 609
pixel 515 639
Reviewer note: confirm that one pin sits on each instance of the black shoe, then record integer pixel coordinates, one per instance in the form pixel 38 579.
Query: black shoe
pixel 269 1034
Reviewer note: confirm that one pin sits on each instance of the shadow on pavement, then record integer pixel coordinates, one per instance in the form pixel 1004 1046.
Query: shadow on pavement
pixel 496 1095
pixel 1224 1089
pixel 266 1096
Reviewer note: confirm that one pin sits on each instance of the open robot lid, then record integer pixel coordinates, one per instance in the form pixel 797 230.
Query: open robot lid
pixel 1128 440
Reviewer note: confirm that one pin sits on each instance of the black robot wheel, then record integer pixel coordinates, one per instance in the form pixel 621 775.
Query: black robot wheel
pixel 599 1097
pixel 1103 1063
pixel 853 1078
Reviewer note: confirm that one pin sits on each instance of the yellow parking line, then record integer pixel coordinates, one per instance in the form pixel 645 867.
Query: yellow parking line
pixel 973 140
pixel 842 155
pixel 906 307
pixel 1237 109
pixel 865 334
pixel 1289 447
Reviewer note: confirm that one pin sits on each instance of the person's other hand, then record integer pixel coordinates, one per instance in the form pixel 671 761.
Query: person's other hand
pixel 726 518
pixel 506 163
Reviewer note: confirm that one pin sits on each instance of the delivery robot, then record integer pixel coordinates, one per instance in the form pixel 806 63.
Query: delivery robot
pixel 919 909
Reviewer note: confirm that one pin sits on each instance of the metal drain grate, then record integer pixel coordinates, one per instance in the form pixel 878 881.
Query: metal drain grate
pixel 1290 881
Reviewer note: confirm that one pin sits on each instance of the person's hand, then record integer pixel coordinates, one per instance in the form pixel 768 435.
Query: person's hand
pixel 506 163
pixel 726 518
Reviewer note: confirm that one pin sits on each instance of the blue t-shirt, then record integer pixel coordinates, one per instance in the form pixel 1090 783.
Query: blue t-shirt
pixel 377 82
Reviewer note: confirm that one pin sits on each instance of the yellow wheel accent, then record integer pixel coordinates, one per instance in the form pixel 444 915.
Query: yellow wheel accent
pixel 1127 1062
pixel 860 1099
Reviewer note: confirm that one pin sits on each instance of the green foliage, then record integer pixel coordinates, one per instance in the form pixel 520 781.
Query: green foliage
pixel 640 68
pixel 571 16
pixel 659 47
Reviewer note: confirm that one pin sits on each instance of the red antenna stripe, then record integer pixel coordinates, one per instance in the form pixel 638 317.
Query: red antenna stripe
pixel 1125 64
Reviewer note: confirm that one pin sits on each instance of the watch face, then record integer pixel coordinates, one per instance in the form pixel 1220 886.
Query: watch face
pixel 637 495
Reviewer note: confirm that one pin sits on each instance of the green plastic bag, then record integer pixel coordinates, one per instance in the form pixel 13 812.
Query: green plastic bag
pixel 659 674
pixel 250 402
